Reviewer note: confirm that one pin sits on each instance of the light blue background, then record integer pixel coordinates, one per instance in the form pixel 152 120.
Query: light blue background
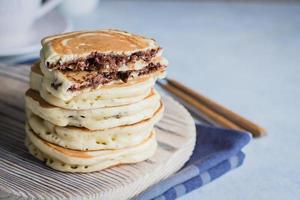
pixel 243 55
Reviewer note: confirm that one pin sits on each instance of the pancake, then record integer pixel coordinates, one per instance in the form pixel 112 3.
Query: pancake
pixel 98 50
pixel 60 84
pixel 68 160
pixel 80 103
pixel 110 95
pixel 76 80
pixel 96 98
pixel 92 103
pixel 83 139
pixel 86 118
pixel 110 122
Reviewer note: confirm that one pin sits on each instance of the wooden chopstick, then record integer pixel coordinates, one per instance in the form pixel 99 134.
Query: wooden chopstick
pixel 209 113
pixel 213 107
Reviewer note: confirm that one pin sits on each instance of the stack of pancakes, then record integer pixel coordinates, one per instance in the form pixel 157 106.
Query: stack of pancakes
pixel 91 102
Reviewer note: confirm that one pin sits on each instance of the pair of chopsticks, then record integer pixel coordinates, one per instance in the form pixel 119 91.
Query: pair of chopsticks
pixel 211 109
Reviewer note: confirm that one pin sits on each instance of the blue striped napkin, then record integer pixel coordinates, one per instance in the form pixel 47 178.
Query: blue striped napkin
pixel 217 151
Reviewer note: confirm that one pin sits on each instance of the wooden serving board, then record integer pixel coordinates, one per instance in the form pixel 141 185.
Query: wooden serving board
pixel 24 177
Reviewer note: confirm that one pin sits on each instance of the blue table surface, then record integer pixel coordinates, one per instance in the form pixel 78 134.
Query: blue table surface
pixel 243 55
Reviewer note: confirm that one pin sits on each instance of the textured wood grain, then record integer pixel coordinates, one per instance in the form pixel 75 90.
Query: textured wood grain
pixel 23 177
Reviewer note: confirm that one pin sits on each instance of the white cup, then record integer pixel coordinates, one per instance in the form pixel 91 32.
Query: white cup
pixel 17 17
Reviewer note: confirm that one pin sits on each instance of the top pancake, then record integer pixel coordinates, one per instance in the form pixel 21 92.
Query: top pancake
pixel 96 49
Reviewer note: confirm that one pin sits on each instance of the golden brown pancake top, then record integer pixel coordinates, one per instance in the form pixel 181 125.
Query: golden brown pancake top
pixel 100 41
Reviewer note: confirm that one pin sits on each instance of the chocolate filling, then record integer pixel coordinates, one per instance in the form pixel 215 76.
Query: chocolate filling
pixel 106 77
pixel 98 61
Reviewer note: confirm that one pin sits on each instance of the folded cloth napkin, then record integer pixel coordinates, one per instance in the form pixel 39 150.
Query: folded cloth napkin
pixel 217 151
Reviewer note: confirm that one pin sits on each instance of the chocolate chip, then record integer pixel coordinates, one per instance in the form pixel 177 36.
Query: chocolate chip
pixel 118 116
pixel 56 85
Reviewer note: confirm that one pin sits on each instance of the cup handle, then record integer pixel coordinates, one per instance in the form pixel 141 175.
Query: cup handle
pixel 46 7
